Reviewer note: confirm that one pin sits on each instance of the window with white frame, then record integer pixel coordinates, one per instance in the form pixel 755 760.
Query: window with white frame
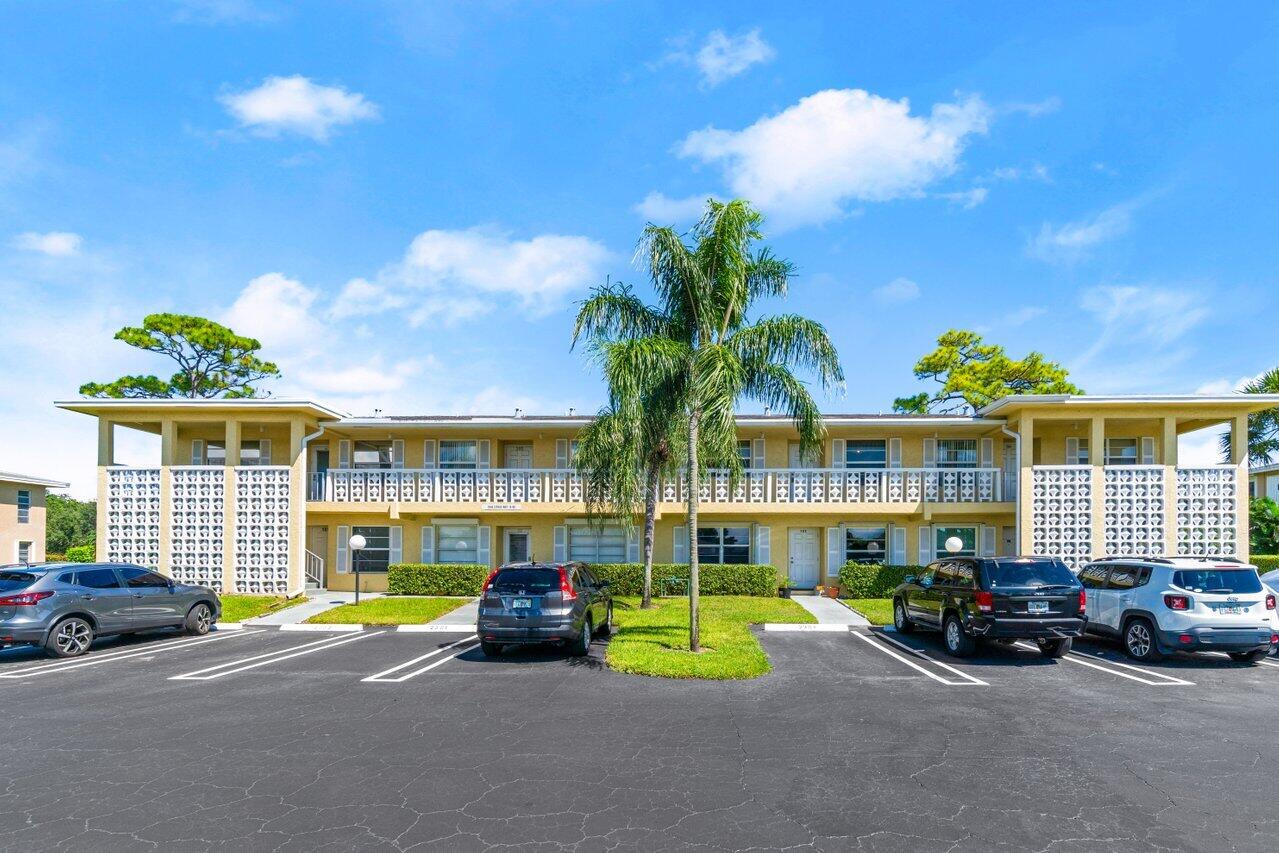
pixel 371 454
pixel 215 453
pixel 1081 458
pixel 724 545
pixel 797 458
pixel 24 552
pixel 966 535
pixel 458 455
pixel 457 543
pixel 866 453
pixel 866 544
pixel 375 556
pixel 744 453
pixel 596 544
pixel 24 506
pixel 1122 451
pixel 957 453
pixel 251 453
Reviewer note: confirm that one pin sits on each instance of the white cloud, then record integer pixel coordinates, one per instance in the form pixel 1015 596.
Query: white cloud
pixel 371 378
pixel 722 56
pixel 1035 171
pixel 661 209
pixel 1073 240
pixel 215 12
pixel 1036 108
pixel 1222 387
pixel 1155 313
pixel 1140 343
pixel 276 310
pixel 1201 447
pixel 297 105
pixel 55 244
pixel 839 145
pixel 968 199
pixel 897 290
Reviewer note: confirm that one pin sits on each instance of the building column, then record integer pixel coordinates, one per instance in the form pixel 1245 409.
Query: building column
pixel 1097 461
pixel 1239 459
pixel 168 450
pixel 232 439
pixel 1169 447
pixel 106 458
pixel 1025 485
pixel 297 506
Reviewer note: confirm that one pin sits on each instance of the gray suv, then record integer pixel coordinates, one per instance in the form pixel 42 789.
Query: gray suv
pixel 543 603
pixel 63 606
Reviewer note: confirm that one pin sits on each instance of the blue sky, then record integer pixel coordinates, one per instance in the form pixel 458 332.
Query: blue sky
pixel 403 200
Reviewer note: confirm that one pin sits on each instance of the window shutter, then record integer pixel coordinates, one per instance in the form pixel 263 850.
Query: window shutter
pixel 1072 451
pixel 264 452
pixel 197 452
pixel 757 453
pixel 763 545
pixel 835 553
pixel 344 453
pixel 484 545
pixel 1105 459
pixel 428 453
pixel 837 454
pixel 483 453
pixel 561 453
pixel 633 545
pixel 925 545
pixel 397 545
pixel 428 544
pixel 680 549
pixel 1148 451
pixel 397 453
pixel 898 556
pixel 988 453
pixel 344 554
pixel 894 453
pixel 987 540
pixel 930 453
pixel 559 550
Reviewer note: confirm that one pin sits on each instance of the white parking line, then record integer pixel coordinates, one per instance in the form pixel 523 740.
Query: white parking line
pixel 382 676
pixel 1262 662
pixel 803 628
pixel 1082 658
pixel 332 628
pixel 429 628
pixel 968 681
pixel 121 654
pixel 232 667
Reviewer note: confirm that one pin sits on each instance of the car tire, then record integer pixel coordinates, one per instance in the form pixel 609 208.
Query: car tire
pixel 901 622
pixel 582 645
pixel 1248 657
pixel 490 650
pixel 1054 648
pixel 958 643
pixel 70 638
pixel 199 620
pixel 605 630
pixel 1139 640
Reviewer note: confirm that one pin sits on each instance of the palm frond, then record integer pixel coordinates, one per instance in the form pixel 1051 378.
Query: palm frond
pixel 791 340
pixel 779 389
pixel 614 311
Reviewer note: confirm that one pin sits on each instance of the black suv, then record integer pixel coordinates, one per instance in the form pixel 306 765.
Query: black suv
pixel 1005 598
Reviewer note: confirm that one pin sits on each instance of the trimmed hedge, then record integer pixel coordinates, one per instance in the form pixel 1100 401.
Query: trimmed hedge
pixel 751 579
pixel 873 580
pixel 81 554
pixel 1265 562
pixel 435 578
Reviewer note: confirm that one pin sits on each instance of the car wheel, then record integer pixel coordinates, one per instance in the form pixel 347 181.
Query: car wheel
pixel 491 650
pixel 1139 641
pixel 199 620
pixel 1054 648
pixel 1248 657
pixel 70 638
pixel 901 622
pixel 582 645
pixel 606 629
pixel 958 643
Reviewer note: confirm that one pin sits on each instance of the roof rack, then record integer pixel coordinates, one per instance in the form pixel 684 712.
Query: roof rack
pixel 1168 560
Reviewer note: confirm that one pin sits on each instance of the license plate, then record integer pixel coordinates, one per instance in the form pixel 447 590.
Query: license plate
pixel 521 603
pixel 1231 611
pixel 1036 607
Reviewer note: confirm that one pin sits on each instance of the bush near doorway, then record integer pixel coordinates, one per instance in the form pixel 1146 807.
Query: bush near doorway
pixel 748 579
pixel 435 578
pixel 873 580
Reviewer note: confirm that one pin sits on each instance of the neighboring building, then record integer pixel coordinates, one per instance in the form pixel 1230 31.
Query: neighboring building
pixel 1263 482
pixel 22 517
pixel 262 495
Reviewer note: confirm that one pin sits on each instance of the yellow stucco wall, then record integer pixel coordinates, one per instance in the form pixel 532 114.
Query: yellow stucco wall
pixel 11 532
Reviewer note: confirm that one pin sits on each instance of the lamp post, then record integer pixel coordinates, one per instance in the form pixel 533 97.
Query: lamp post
pixel 356 544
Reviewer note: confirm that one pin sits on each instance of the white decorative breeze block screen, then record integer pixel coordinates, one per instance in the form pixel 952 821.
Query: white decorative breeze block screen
pixel 1134 511
pixel 1206 512
pixel 133 516
pixel 197 516
pixel 1061 507
pixel 262 501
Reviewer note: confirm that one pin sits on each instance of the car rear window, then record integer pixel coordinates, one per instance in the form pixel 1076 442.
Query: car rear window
pixel 10 581
pixel 1217 580
pixel 529 579
pixel 1030 573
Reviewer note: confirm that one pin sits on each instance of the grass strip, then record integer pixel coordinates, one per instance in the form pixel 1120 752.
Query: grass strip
pixel 390 610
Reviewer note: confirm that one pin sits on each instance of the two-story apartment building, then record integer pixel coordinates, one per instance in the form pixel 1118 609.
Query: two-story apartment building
pixel 263 495
pixel 22 516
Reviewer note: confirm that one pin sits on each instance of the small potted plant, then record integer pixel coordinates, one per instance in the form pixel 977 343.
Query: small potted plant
pixel 833 591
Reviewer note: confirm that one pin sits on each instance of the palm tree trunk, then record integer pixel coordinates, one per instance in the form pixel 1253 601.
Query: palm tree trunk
pixel 650 521
pixel 694 492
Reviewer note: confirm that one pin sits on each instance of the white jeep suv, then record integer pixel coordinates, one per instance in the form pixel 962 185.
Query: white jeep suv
pixel 1157 605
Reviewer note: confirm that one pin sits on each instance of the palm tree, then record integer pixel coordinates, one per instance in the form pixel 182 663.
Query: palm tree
pixel 1263 427
pixel 700 348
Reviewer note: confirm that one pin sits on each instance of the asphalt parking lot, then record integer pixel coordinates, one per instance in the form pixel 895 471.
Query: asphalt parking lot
pixel 268 740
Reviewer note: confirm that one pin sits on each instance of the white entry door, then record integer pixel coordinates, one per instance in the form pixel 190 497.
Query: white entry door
pixel 519 456
pixel 517 544
pixel 805 558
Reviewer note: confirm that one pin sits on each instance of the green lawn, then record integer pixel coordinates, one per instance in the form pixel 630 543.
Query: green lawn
pixel 390 610
pixel 879 611
pixel 655 642
pixel 237 608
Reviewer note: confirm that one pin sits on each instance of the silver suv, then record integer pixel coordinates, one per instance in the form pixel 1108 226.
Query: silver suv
pixel 1159 605
pixel 64 606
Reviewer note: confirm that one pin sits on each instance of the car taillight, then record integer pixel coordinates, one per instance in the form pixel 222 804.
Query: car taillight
pixel 489 582
pixel 1083 600
pixel 985 600
pixel 24 599
pixel 566 588
pixel 1270 602
pixel 1177 602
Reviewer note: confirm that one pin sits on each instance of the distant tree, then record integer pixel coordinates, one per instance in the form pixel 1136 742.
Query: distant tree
pixel 1263 427
pixel 972 374
pixel 1263 526
pixel 212 360
pixel 68 522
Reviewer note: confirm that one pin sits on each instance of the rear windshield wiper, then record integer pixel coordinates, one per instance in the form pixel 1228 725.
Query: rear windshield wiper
pixel 1056 586
pixel 1221 591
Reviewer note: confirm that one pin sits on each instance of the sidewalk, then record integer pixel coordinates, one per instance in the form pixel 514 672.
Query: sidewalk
pixel 464 615
pixel 829 612
pixel 318 604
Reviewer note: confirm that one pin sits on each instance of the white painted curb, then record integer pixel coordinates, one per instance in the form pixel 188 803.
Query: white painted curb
pixel 332 629
pixel 436 629
pixel 228 626
pixel 821 627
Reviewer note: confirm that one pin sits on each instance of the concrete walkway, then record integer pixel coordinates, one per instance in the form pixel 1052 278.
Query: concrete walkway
pixel 829 612
pixel 318 603
pixel 464 615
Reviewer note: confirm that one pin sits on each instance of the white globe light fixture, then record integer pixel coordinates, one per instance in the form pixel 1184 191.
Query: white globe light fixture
pixel 954 545
pixel 356 543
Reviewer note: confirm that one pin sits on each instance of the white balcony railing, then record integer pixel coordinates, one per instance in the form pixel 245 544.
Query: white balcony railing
pixel 563 485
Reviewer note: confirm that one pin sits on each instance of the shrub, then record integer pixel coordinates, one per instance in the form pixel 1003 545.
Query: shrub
pixel 873 580
pixel 750 579
pixel 81 553
pixel 1263 526
pixel 51 557
pixel 1265 562
pixel 435 579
